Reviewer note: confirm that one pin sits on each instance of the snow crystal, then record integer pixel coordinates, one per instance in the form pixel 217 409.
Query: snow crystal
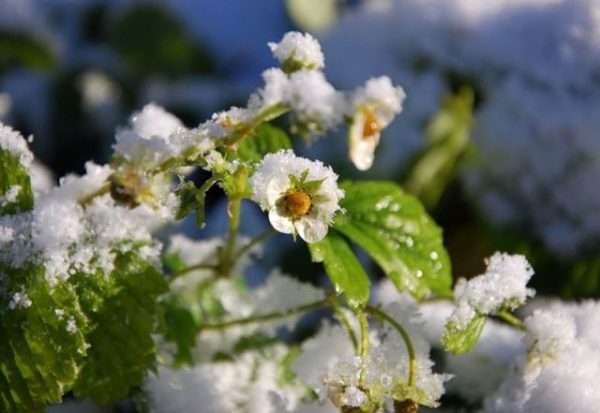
pixel 249 383
pixel 10 196
pixel 301 48
pixel 147 140
pixel 559 373
pixel 71 325
pixel 314 99
pixel 65 237
pixel 19 300
pixel 503 285
pixel 13 142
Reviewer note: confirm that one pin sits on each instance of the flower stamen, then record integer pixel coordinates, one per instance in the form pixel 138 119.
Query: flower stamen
pixel 370 127
pixel 297 203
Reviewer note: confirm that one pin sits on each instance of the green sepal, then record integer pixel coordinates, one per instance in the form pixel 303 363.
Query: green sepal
pixel 462 340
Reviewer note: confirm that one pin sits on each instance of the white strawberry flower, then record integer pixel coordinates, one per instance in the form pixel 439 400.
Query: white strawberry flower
pixel 302 196
pixel 375 105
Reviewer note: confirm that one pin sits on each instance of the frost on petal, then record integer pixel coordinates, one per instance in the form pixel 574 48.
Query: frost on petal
pixel 381 98
pixel 311 229
pixel 294 189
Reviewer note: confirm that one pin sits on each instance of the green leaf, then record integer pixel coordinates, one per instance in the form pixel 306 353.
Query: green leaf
pixel 14 176
pixel 395 230
pixel 193 199
pixel 190 199
pixel 266 139
pixel 124 313
pixel 459 341
pixel 448 137
pixel 181 329
pixel 343 268
pixel 39 356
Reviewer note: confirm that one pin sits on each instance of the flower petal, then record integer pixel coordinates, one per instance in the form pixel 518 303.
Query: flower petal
pixel 362 149
pixel 276 188
pixel 311 230
pixel 280 223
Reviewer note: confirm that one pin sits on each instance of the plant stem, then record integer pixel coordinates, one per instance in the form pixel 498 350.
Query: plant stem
pixel 194 268
pixel 364 343
pixel 271 316
pixel 227 259
pixel 346 323
pixel 87 199
pixel 246 130
pixel 208 184
pixel 511 319
pixel 256 240
pixel 412 372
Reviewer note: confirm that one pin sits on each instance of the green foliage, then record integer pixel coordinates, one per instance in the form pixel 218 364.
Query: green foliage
pixel 448 137
pixel 91 334
pixel 395 230
pixel 20 49
pixel 13 173
pixel 181 329
pixel 462 340
pixel 151 41
pixel 266 139
pixel 191 199
pixel 39 358
pixel 343 268
pixel 123 313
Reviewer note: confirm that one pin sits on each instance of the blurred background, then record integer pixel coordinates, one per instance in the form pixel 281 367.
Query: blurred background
pixel 499 137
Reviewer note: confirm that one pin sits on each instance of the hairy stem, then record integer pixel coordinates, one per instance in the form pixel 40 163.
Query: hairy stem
pixel 511 320
pixel 254 241
pixel 346 323
pixel 194 268
pixel 364 343
pixel 412 372
pixel 248 129
pixel 327 301
pixel 87 199
pixel 227 259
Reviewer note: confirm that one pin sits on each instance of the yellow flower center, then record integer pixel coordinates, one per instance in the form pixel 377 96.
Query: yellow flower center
pixel 370 128
pixel 297 203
